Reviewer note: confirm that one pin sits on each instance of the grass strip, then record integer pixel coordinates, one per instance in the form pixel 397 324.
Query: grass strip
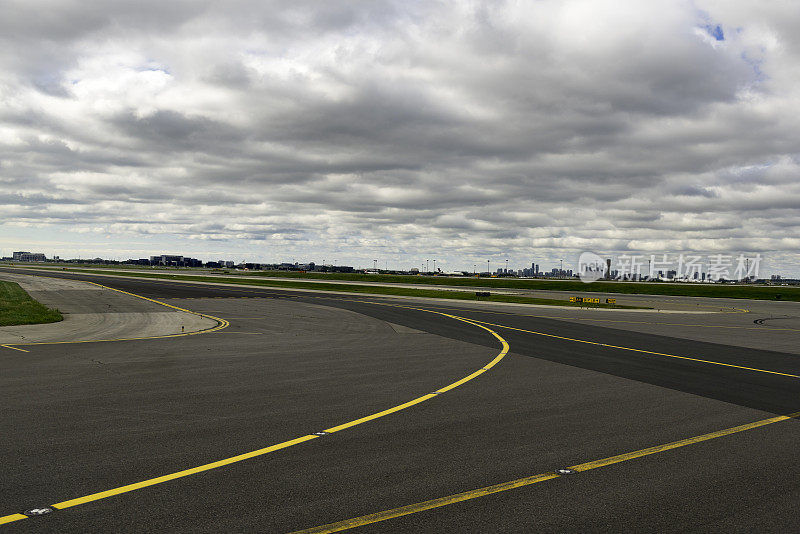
pixel 17 307
pixel 686 289
pixel 354 288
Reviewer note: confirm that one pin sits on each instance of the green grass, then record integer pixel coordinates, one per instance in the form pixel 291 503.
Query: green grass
pixel 355 288
pixel 732 291
pixel 735 291
pixel 17 307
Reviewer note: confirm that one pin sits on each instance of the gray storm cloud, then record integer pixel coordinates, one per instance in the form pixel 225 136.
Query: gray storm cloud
pixel 466 130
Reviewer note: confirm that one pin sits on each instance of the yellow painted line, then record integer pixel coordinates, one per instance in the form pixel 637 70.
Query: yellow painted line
pixel 754 369
pixel 644 297
pixel 222 323
pixel 435 503
pixel 272 448
pixel 14 348
pixel 463 380
pixel 681 443
pixel 593 319
pixel 11 518
pixel 737 327
pixel 533 479
pixel 236 318
pixel 380 414
pixel 179 474
pixel 426 505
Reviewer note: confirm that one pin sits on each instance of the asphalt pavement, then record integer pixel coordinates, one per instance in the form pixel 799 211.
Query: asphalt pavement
pixel 91 417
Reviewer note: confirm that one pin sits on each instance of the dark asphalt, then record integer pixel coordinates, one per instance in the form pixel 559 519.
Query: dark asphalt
pixel 82 418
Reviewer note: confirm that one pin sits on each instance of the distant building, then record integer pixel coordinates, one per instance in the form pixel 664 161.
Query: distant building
pixel 166 259
pixel 28 256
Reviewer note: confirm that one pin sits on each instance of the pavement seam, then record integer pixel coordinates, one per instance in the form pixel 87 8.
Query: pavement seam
pixel 643 351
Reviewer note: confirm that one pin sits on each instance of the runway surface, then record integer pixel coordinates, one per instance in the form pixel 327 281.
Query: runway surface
pixel 92 417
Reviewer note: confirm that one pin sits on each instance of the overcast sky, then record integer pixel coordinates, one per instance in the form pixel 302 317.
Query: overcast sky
pixel 400 131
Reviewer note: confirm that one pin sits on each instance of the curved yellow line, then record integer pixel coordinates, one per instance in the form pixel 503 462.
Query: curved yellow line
pixel 221 323
pixel 278 446
pixel 596 320
pixel 710 362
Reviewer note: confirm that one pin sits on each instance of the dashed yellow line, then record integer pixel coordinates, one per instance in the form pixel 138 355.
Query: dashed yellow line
pixel 272 448
pixel 533 479
pixel 11 518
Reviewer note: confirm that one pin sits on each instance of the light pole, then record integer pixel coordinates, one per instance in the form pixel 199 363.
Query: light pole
pixel 488 270
pixel 474 268
pixel 427 266
pixel 434 266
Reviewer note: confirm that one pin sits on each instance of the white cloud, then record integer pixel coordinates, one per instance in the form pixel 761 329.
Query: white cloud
pixel 402 130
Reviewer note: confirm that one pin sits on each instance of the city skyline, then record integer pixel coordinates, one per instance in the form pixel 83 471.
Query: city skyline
pixel 625 267
pixel 398 130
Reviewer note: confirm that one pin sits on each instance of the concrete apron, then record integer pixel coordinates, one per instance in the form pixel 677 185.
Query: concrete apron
pixel 94 313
